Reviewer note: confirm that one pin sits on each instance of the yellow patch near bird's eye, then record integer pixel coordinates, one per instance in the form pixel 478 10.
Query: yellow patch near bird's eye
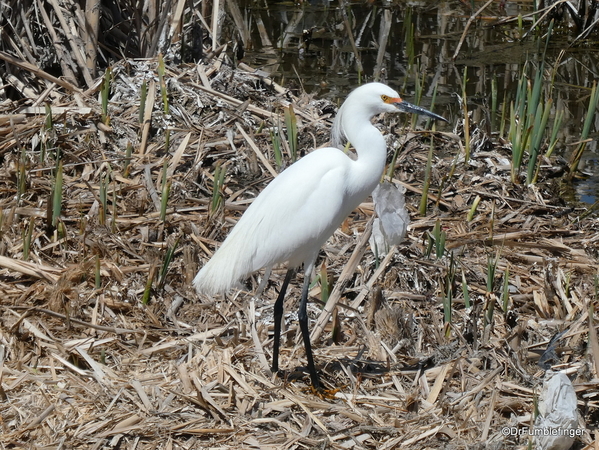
pixel 390 100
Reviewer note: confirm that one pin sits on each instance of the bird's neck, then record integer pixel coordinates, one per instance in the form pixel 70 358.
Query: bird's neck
pixel 371 148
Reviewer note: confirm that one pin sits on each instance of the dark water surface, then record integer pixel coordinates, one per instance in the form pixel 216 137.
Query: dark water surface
pixel 307 44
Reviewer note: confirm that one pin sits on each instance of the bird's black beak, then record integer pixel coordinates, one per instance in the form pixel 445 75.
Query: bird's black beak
pixel 409 108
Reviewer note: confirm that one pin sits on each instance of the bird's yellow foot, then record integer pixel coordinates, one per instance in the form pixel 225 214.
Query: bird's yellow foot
pixel 324 394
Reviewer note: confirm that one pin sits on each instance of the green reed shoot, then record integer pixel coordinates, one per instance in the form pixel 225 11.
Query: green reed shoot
pixel 436 239
pixel 325 287
pixel 473 208
pixel 166 188
pixel 142 101
pixel 528 119
pixel 276 146
pixel 491 267
pixel 557 125
pixel 466 118
pixel 57 196
pixel 390 167
pixel 168 259
pixel 427 181
pixel 518 135
pixel 217 188
pixel 161 80
pixel 540 123
pixel 505 291
pixel 27 239
pixel 430 245
pixel 440 237
pixel 588 121
pixel 465 291
pixel 291 124
pixel 522 117
pixel 105 92
pixel 567 284
pixel 145 298
pixel 49 123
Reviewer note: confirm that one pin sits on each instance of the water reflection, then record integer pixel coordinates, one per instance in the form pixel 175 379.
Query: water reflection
pixel 328 49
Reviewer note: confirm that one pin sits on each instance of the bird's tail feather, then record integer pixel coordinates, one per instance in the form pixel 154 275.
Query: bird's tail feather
pixel 226 269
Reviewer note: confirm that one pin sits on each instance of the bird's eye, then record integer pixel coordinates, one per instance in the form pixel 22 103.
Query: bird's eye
pixel 385 98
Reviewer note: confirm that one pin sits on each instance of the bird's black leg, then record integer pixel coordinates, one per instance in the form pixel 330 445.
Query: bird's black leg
pixel 278 315
pixel 303 323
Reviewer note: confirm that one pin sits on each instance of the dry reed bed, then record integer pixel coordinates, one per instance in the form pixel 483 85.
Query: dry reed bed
pixel 91 367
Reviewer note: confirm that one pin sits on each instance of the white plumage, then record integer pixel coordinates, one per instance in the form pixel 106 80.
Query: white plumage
pixel 301 208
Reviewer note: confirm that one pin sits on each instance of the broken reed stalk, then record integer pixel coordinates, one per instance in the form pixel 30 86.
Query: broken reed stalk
pixel 385 28
pixel 28 233
pixel 97 273
pixel 127 163
pixel 408 31
pixel 343 6
pixel 505 291
pixel 92 20
pixel 166 187
pixel 103 198
pixel 493 101
pixel 466 118
pixel 105 92
pixel 142 101
pixel 21 176
pixel 165 103
pixel 448 297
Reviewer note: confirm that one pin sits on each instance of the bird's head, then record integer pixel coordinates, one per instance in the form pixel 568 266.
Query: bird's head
pixel 369 100
pixel 381 98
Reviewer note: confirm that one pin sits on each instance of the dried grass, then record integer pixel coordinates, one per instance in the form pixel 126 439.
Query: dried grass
pixel 87 367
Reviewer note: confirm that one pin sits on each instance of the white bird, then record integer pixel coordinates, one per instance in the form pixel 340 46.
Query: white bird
pixel 301 208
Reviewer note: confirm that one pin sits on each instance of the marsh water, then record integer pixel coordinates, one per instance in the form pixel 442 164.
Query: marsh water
pixel 329 47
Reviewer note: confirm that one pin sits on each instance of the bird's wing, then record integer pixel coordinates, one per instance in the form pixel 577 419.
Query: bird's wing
pixel 289 221
pixel 298 211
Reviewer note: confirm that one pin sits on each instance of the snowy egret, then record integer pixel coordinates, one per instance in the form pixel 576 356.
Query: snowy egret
pixel 301 208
